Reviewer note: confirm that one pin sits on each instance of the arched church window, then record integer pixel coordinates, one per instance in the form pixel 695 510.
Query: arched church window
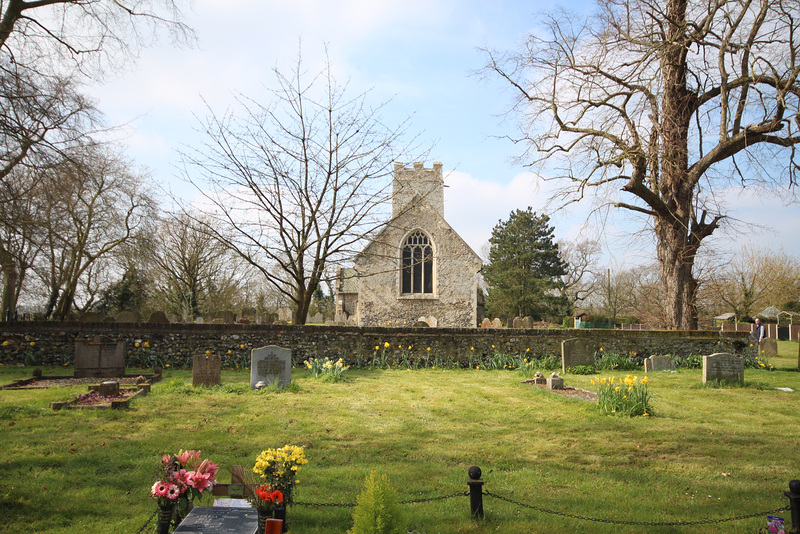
pixel 417 264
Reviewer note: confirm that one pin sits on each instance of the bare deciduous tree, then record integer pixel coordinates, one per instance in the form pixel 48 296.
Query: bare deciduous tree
pixel 95 203
pixel 298 182
pixel 752 281
pixel 668 102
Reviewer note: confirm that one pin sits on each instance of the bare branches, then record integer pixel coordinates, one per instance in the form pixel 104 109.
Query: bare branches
pixel 297 182
pixel 630 94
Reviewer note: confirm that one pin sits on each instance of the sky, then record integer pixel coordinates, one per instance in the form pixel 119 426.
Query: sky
pixel 422 57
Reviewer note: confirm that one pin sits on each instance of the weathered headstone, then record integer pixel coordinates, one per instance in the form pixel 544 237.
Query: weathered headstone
pixel 768 347
pixel 315 319
pixel 206 370
pixel 271 364
pixel 555 382
pixel 658 363
pixel 249 313
pixel 576 351
pixel 127 317
pixel 158 317
pixel 517 322
pixel 527 322
pixel 723 366
pixel 91 317
pixel 109 388
pixel 99 358
pixel 227 317
pixel 497 323
pixel 486 323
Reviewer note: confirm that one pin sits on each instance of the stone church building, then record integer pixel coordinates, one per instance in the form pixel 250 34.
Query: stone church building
pixel 417 268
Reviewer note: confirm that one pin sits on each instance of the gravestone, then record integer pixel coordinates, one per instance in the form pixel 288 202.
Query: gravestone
pixel 109 388
pixel 497 323
pixel 575 351
pixel 554 382
pixel 270 364
pixel 99 358
pixel 198 320
pixel 723 366
pixel 158 317
pixel 527 322
pixel 206 370
pixel 658 363
pixel 768 347
pixel 486 323
pixel 91 317
pixel 249 313
pixel 315 319
pixel 127 317
pixel 219 520
pixel 517 322
pixel 227 317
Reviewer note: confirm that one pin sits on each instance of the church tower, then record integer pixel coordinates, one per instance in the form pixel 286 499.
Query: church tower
pixel 417 182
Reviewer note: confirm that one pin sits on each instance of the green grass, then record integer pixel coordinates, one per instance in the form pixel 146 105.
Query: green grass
pixel 707 453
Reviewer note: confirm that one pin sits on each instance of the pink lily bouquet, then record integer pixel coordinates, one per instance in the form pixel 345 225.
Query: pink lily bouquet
pixel 184 476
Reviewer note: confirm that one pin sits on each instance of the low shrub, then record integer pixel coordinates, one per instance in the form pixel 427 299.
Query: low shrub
pixel 582 370
pixel 377 510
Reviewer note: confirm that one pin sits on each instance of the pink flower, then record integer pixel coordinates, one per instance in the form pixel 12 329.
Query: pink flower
pixel 184 456
pixel 180 477
pixel 199 481
pixel 172 492
pixel 159 489
pixel 166 460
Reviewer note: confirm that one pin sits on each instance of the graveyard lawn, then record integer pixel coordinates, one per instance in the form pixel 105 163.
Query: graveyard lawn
pixel 706 454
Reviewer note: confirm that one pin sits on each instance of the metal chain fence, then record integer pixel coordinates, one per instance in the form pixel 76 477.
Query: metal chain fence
pixel 638 523
pixel 544 511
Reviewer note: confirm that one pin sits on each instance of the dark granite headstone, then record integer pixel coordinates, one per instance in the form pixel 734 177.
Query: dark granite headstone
pixel 219 520
pixel 100 358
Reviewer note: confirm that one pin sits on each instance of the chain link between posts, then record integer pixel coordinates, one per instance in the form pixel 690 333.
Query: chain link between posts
pixel 542 510
pixel 639 523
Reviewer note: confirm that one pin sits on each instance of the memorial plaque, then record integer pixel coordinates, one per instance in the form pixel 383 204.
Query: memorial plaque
pixel 658 363
pixel 219 520
pixel 723 366
pixel 270 364
pixel 576 351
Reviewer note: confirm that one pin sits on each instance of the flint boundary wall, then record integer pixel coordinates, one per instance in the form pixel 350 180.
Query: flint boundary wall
pixel 49 342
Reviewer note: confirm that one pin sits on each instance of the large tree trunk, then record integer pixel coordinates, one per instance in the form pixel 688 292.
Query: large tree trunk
pixel 673 227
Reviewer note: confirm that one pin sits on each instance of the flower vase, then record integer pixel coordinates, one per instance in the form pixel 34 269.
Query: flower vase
pixel 185 506
pixel 280 513
pixel 263 515
pixel 164 520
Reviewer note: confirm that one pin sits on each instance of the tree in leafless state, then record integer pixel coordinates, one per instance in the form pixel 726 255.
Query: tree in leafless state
pixel 92 35
pixel 95 203
pixel 753 280
pixel 669 102
pixel 298 182
pixel 580 281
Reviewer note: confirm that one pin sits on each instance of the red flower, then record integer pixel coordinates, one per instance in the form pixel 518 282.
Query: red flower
pixel 277 496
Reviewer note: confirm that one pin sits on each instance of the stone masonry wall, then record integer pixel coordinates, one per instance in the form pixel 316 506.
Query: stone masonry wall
pixel 176 344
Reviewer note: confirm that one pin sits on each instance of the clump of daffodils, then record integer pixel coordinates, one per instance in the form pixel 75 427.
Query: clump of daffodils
pixel 623 396
pixel 326 369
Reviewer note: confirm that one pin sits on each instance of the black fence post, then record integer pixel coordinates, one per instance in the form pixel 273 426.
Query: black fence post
pixel 475 492
pixel 794 504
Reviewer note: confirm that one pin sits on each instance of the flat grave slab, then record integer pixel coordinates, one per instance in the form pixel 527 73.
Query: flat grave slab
pixel 219 520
